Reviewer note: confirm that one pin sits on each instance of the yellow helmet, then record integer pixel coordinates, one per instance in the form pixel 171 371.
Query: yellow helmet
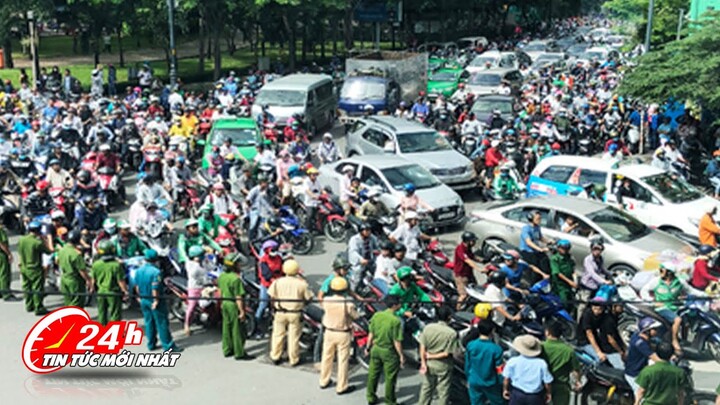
pixel 312 170
pixel 482 310
pixel 291 267
pixel 338 284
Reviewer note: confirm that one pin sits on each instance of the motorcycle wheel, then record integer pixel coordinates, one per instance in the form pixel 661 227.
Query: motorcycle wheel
pixel 136 161
pixel 303 244
pixel 250 324
pixel 335 230
pixel 569 329
pixel 626 327
pixel 714 348
pixel 177 308
pixel 359 354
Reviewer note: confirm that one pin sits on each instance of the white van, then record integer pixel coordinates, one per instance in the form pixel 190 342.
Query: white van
pixel 662 201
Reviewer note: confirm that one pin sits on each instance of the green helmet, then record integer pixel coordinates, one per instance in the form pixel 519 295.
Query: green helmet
pixel 123 224
pixel 340 262
pixel 110 225
pixel 190 222
pixel 229 261
pixel 404 272
pixel 106 248
pixel 195 251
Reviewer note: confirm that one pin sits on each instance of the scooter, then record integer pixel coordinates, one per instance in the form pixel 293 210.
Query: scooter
pixel 134 157
pixel 110 185
pixel 301 240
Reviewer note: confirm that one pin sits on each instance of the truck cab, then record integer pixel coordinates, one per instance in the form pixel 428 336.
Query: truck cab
pixel 360 89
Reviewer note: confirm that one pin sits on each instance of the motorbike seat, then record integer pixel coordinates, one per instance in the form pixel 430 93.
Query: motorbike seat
pixel 314 312
pixel 464 317
pixel 611 374
pixel 179 281
pixel 354 220
pixel 442 272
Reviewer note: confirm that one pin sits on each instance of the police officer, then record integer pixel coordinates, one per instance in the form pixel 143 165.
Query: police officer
pixel 30 249
pixel 384 345
pixel 287 320
pixel 74 276
pixel 337 323
pixel 148 284
pixel 108 275
pixel 5 269
pixel 233 310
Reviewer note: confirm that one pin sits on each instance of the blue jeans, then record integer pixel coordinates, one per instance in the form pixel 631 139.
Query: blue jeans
pixel 615 359
pixel 263 303
pixel 667 314
pixel 381 285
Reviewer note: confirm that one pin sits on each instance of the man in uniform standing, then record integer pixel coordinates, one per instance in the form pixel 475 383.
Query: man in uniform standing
pixel 74 277
pixel 108 275
pixel 337 323
pixel 148 282
pixel 385 347
pixel 233 310
pixel 287 320
pixel 30 249
pixel 5 269
pixel 438 343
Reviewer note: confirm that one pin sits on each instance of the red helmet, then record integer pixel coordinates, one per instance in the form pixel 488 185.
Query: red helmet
pixel 42 185
pixel 555 146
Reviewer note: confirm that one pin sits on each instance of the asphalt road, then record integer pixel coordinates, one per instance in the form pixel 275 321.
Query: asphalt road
pixel 202 374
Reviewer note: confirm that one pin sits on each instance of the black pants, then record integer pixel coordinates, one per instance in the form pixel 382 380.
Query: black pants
pixel 538 259
pixel 311 218
pixel 517 397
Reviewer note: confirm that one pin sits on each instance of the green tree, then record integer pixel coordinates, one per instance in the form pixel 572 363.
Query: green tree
pixel 12 17
pixel 665 17
pixel 686 69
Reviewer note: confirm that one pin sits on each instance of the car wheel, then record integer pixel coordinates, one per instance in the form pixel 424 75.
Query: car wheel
pixel 488 251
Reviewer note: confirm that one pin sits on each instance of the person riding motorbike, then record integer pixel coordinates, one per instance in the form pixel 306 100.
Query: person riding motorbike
pixel 269 269
pixel 515 271
pixel 660 160
pixel 505 186
pixel 127 244
pixel 471 126
pixel 221 202
pixel 712 172
pixel 411 202
pixel 107 232
pixel 373 208
pixel 177 177
pixel 57 176
pixel 193 237
pixel 361 253
pixel 409 294
pixel 665 291
pixel 409 234
pixel 701 276
pixel 38 203
pixel 259 205
pixel 209 222
pixel 89 216
pixel 496 121
pixel 328 151
pixel 150 189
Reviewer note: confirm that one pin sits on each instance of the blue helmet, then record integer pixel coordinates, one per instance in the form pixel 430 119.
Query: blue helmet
pixel 409 188
pixel 564 244
pixel 705 250
pixel 34 226
pixel 613 147
pixel 181 159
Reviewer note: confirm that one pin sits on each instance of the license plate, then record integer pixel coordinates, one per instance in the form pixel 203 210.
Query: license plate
pixel 446 215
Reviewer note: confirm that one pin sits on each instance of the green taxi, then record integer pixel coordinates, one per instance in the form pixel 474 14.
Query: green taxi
pixel 243 132
pixel 445 81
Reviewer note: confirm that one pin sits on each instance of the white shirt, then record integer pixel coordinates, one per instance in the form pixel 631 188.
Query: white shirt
pixel 195 274
pixel 471 127
pixel 410 237
pixel 495 296
pixel 313 187
pixel 384 269
pixel 175 99
pixel 224 205
pixel 267 158
pixel 345 192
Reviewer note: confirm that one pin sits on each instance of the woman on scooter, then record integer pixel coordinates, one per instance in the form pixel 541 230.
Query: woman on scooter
pixel 269 269
pixel 195 278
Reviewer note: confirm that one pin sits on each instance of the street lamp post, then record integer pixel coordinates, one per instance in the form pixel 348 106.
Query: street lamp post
pixel 173 52
pixel 33 49
pixel 648 30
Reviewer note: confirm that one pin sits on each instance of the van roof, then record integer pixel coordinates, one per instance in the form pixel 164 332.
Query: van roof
pixel 295 82
pixel 627 168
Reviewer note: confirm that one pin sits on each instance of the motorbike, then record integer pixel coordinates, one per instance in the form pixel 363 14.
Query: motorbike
pixel 110 185
pixel 469 144
pixel 134 156
pixel 330 218
pixel 152 158
pixel 189 198
pixel 207 311
pixel 301 240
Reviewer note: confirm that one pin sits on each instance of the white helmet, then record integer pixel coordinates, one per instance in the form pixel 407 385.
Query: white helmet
pixel 327 135
pixel 348 168
pixel 411 215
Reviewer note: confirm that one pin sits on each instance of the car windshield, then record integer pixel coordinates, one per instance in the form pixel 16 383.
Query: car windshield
pixel 548 57
pixel 363 90
pixel 490 105
pixel 435 63
pixel 422 142
pixel 239 136
pixel 577 49
pixel 673 188
pixel 282 98
pixel 619 225
pixel 485 79
pixel 399 176
pixel 482 60
pixel 535 48
pixel 594 55
pixel 443 76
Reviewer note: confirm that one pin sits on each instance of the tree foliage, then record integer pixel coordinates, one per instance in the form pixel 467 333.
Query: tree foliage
pixel 665 17
pixel 686 69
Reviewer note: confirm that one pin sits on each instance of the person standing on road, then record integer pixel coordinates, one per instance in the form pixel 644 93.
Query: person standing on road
pixel 384 346
pixel 74 277
pixel 30 249
pixel 531 249
pixel 483 360
pixel 196 279
pixel 337 336
pixel 438 343
pixel 562 274
pixel 108 275
pixel 662 383
pixel 561 361
pixel 289 295
pixel 639 350
pixel 527 376
pixel 233 310
pixel 148 283
pixel 6 260
pixel 464 263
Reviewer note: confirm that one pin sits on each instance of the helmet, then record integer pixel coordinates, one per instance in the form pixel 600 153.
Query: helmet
pixel 124 224
pixel 597 245
pixel 364 226
pixel 83 176
pixel 340 262
pixel 74 236
pixel 110 225
pixel 388 246
pixel 57 214
pixel 338 284
pixel 218 186
pixel 275 222
pixel 312 170
pixel 409 188
pixel 269 244
pixel 498 278
pixel 195 251
pixel 647 323
pixel 468 236
pixel 291 267
pixel 482 310
pixel 668 266
pixel 152 254
pixel 229 260
pixel 404 272
pixel 34 226
pixel 563 244
pixel 327 135
pixel 104 147
pixel 613 147
pixel 190 222
pixel 411 215
pixel 511 254
pixel 348 168
pixel 106 247
pixel 42 185
pixel 705 249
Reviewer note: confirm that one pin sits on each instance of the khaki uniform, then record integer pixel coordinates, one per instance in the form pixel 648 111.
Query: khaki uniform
pixel 337 322
pixel 288 316
pixel 438 338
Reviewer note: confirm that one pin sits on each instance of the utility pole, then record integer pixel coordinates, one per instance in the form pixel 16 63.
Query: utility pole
pixel 173 51
pixel 33 49
pixel 680 24
pixel 648 31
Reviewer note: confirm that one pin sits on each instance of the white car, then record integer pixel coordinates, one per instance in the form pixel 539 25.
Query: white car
pixel 389 174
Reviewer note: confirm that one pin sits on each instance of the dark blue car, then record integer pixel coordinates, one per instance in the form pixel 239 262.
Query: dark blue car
pixel 357 92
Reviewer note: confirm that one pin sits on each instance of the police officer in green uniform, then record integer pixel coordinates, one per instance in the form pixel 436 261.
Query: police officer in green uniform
pixel 108 275
pixel 385 347
pixel 74 277
pixel 233 310
pixel 148 284
pixel 562 273
pixel 30 249
pixel 5 269
pixel 193 237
